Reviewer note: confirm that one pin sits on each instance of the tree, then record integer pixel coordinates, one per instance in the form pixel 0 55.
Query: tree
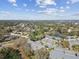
pixel 65 44
pixel 75 48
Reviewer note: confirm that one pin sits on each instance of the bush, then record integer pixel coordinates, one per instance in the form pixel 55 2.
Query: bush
pixel 65 44
pixel 9 53
pixel 75 48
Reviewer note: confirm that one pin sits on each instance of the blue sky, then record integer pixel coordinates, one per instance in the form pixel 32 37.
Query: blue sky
pixel 39 9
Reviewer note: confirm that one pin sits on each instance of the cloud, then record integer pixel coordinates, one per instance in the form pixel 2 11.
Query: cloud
pixel 4 15
pixel 5 12
pixel 61 7
pixel 41 6
pixel 68 2
pixel 45 2
pixel 12 1
pixel 15 4
pixel 62 11
pixel 76 14
pixel 67 7
pixel 25 5
pixel 48 11
pixel 74 1
pixel 54 11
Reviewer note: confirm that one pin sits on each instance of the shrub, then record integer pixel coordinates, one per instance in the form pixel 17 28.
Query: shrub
pixel 9 53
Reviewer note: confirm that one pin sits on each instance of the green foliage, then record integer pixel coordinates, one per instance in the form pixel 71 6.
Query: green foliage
pixel 9 53
pixel 65 44
pixel 75 48
pixel 38 34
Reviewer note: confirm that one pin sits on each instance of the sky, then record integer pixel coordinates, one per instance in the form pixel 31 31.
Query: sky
pixel 39 9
